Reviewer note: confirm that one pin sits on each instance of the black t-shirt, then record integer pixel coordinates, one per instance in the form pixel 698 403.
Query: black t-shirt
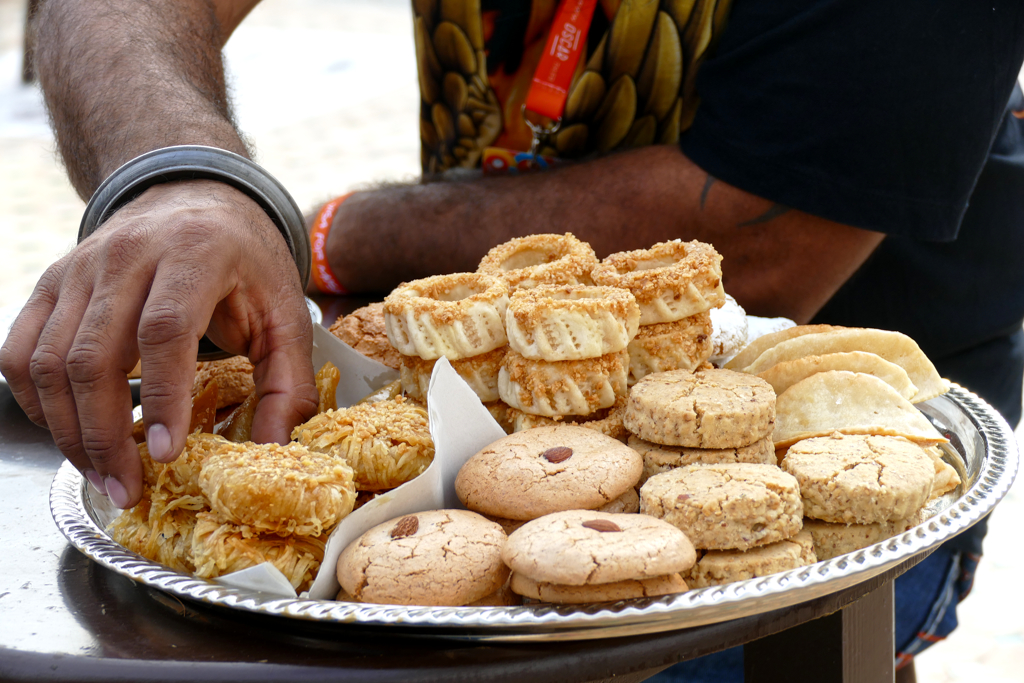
pixel 898 118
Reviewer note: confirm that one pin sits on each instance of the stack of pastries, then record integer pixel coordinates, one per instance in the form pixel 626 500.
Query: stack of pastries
pixel 226 504
pixel 676 284
pixel 806 445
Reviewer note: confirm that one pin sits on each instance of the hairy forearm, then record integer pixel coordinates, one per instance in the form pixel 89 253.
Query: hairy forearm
pixel 776 261
pixel 122 77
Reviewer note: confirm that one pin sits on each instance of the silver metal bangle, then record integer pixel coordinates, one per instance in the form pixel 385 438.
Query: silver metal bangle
pixel 198 162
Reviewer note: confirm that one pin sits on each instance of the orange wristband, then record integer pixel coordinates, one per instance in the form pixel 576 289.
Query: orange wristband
pixel 323 278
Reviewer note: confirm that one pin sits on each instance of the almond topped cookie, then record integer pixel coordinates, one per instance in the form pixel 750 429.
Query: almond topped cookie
pixel 438 557
pixel 532 473
pixel 586 547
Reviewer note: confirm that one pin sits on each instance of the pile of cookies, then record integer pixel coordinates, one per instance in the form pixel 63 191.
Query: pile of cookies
pixel 221 507
pixel 578 331
pixel 859 489
pixel 713 416
pixel 867 460
pixel 567 351
pixel 633 467
pixel 710 471
pixel 566 498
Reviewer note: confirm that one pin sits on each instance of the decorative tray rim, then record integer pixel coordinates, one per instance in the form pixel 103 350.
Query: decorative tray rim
pixel 70 508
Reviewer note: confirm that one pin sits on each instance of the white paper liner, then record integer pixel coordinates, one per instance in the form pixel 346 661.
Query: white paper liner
pixel 263 577
pixel 459 424
pixel 360 376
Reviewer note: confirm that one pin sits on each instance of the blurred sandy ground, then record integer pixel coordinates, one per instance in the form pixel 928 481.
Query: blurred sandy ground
pixel 327 91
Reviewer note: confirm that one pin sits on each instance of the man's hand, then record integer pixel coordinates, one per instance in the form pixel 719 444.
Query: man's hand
pixel 181 260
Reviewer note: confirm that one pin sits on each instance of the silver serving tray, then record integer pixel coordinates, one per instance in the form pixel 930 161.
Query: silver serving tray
pixel 982 449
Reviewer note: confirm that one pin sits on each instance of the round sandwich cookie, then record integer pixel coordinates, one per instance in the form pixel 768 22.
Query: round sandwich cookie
pixel 727 506
pixel 529 474
pixel 725 566
pixel 439 557
pixel 706 409
pixel 585 547
pixel 860 478
pixel 658 458
pixel 601 592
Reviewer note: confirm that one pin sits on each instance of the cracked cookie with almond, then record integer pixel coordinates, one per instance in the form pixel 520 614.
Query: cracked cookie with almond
pixel 438 557
pixel 586 548
pixel 538 471
pixel 726 506
pixel 860 478
pixel 707 409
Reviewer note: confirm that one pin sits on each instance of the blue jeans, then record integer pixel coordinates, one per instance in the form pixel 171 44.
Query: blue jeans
pixel 926 597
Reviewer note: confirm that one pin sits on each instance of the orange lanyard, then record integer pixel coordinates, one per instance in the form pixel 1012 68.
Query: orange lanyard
pixel 550 86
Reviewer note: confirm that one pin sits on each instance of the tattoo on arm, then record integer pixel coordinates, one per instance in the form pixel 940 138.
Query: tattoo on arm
pixel 773 212
pixel 707 188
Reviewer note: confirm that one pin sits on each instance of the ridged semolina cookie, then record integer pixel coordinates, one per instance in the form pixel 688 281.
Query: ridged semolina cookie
pixel 456 316
pixel 570 322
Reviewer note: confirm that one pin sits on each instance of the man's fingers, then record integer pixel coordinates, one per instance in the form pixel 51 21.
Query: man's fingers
pixel 97 366
pixel 284 379
pixel 49 372
pixel 16 355
pixel 171 324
